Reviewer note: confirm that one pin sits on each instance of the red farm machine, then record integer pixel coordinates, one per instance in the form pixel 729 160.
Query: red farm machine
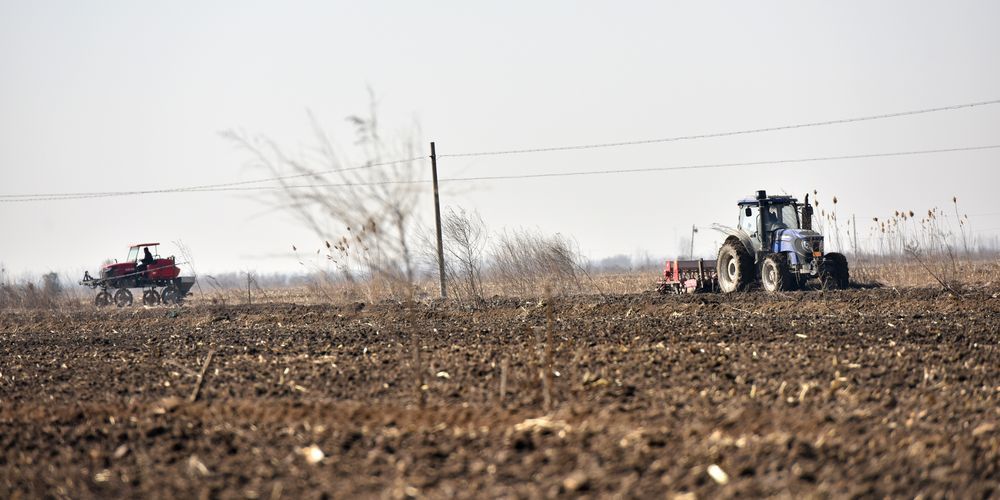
pixel 143 269
pixel 688 276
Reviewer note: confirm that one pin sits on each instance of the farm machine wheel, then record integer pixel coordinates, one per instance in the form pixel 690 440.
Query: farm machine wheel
pixel 735 267
pixel 774 273
pixel 150 297
pixel 834 273
pixel 103 299
pixel 171 295
pixel 123 297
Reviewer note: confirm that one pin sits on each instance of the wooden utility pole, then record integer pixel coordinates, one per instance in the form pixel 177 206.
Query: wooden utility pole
pixel 437 219
pixel 694 229
pixel 854 227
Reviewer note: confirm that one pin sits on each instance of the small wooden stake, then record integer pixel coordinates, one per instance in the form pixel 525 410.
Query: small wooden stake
pixel 547 374
pixel 201 377
pixel 418 370
pixel 503 379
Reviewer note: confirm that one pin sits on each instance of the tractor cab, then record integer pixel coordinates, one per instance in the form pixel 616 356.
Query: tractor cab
pixel 760 218
pixel 135 252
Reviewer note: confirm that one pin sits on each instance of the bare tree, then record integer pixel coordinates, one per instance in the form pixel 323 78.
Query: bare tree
pixel 464 241
pixel 363 206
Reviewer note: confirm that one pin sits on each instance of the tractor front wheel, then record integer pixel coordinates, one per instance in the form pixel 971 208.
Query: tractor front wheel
pixel 734 267
pixel 833 273
pixel 123 297
pixel 774 273
pixel 103 299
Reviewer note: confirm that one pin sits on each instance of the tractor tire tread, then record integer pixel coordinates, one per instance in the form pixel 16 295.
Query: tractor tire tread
pixel 734 249
pixel 835 273
pixel 783 279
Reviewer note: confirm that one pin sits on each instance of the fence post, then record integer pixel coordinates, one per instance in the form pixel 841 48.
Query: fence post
pixel 437 219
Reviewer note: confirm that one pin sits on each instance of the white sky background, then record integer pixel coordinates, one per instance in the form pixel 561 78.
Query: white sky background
pixel 98 96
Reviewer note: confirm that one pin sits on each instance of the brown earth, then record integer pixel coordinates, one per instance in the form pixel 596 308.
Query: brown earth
pixel 853 393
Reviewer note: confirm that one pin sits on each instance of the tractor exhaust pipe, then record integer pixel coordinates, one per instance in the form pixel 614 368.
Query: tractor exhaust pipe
pixel 765 243
pixel 807 214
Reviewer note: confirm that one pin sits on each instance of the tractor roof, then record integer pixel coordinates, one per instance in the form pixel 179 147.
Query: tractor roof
pixel 773 200
pixel 140 245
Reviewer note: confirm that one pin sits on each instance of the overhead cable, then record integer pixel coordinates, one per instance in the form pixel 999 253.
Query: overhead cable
pixel 220 186
pixel 721 134
pixel 103 194
pixel 722 165
pixel 541 175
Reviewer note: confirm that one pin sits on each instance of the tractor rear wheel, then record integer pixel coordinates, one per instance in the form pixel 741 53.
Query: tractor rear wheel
pixel 834 273
pixel 774 273
pixel 171 295
pixel 103 299
pixel 734 267
pixel 123 297
pixel 150 297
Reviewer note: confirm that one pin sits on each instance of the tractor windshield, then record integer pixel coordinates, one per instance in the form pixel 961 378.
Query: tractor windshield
pixel 782 217
pixel 133 255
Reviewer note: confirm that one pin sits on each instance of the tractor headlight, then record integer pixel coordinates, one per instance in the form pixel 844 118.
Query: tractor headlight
pixel 801 246
pixel 809 247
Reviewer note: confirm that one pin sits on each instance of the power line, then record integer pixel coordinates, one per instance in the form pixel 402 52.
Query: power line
pixel 545 175
pixel 204 187
pixel 721 134
pixel 7 198
pixel 722 165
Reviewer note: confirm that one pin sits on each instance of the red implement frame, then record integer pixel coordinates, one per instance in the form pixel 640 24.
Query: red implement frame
pixel 688 276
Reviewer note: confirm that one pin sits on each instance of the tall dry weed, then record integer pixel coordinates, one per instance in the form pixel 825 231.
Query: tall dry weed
pixel 364 206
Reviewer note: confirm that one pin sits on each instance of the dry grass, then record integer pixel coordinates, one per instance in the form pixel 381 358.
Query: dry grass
pixel 903 272
pixel 48 293
pixel 892 272
pixel 880 271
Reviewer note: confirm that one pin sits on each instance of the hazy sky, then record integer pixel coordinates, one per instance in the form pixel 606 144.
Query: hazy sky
pixel 124 95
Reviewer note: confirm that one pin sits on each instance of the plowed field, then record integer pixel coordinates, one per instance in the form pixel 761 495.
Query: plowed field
pixel 849 393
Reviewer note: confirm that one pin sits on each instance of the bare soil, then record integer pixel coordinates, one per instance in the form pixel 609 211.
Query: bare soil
pixel 865 393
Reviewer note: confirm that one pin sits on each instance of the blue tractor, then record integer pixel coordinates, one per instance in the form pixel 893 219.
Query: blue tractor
pixel 775 245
